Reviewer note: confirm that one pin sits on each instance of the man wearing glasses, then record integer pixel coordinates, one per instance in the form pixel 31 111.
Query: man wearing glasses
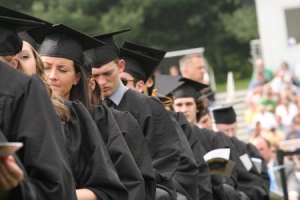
pixel 154 121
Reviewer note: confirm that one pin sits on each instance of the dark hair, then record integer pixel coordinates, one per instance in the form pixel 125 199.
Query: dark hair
pixel 201 107
pixel 96 95
pixel 150 89
pixel 79 91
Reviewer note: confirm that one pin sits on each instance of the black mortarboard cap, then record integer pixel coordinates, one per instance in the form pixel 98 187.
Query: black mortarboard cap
pixel 26 37
pixel 10 43
pixel 62 41
pixel 8 12
pixel 165 84
pixel 224 113
pixel 151 52
pixel 189 88
pixel 137 65
pixel 107 53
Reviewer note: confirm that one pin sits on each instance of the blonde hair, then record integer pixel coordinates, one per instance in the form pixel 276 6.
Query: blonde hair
pixel 57 101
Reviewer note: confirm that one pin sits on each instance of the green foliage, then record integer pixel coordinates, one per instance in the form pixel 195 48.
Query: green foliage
pixel 223 28
pixel 242 24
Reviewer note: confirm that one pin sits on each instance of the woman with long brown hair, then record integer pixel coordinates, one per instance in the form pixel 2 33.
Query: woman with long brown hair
pixel 27 116
pixel 61 51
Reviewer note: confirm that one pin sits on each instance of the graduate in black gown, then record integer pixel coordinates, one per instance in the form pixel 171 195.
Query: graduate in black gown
pixel 139 68
pixel 56 56
pixel 90 163
pixel 155 123
pixel 186 99
pixel 225 120
pixel 43 157
pixel 165 85
pixel 130 130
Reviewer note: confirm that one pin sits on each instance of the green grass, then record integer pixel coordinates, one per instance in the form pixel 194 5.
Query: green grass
pixel 238 84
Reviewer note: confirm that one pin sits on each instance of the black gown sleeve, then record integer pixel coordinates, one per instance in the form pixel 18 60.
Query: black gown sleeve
pixel 186 175
pixel 138 147
pixel 164 144
pixel 27 115
pixel 264 173
pixel 247 182
pixel 90 163
pixel 206 145
pixel 158 129
pixel 204 178
pixel 261 181
pixel 119 152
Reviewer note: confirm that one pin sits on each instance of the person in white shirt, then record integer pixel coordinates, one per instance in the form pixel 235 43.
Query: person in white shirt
pixel 265 149
pixel 285 113
pixel 266 119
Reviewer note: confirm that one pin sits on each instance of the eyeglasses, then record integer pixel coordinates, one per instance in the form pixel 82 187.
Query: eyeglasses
pixel 125 81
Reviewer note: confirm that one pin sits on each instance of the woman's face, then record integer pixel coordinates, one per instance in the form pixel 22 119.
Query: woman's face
pixel 60 75
pixel 27 58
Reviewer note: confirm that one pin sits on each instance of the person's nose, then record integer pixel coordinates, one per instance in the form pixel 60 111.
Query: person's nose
pixel 52 75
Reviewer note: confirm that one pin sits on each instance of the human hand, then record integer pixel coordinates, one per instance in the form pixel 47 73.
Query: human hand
pixel 10 175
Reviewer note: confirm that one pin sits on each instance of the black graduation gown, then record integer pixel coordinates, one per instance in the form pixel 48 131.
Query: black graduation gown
pixel 119 152
pixel 159 131
pixel 262 181
pixel 25 189
pixel 89 160
pixel 206 142
pixel 138 147
pixel 254 153
pixel 27 115
pixel 240 178
pixel 204 179
pixel 186 175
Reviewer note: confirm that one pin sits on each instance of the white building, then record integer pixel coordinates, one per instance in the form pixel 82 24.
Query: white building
pixel 279 30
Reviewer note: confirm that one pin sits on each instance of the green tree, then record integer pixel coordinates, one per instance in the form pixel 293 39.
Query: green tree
pixel 224 28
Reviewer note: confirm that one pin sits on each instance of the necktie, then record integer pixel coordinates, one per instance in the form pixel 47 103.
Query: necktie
pixel 272 180
pixel 108 102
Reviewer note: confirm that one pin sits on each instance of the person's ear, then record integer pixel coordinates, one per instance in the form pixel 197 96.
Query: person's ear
pixel 77 78
pixel 92 83
pixel 149 82
pixel 14 62
pixel 121 65
pixel 140 85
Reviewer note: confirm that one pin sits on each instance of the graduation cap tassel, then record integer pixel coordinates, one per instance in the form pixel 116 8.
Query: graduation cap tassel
pixel 166 101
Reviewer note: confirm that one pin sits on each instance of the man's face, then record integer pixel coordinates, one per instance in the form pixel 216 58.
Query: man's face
pixel 206 122
pixel 196 70
pixel 259 65
pixel 107 76
pixel 128 80
pixel 188 107
pixel 228 129
pixel 263 149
